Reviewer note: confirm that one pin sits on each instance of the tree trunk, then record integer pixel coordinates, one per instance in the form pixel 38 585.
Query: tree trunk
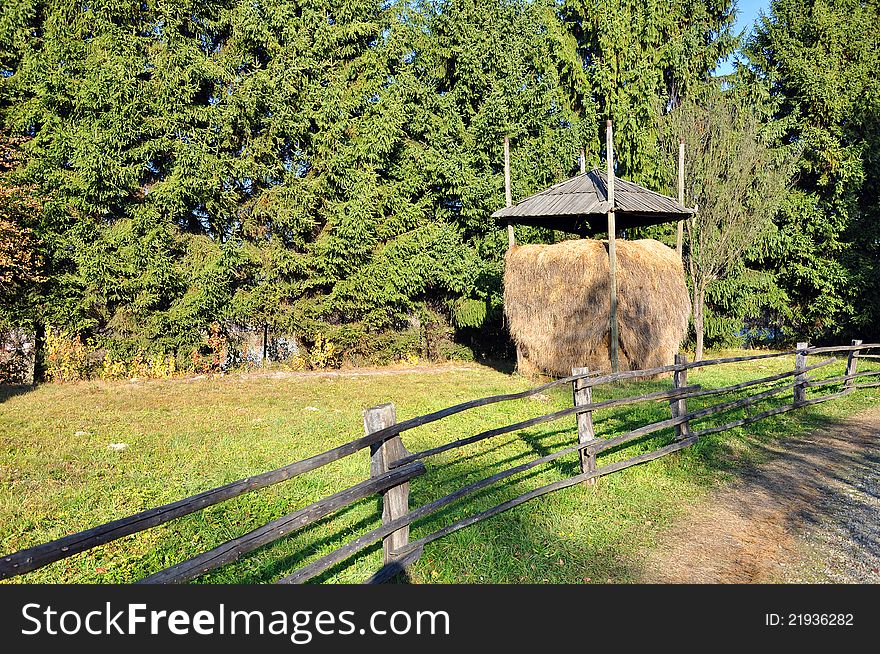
pixel 699 296
pixel 39 354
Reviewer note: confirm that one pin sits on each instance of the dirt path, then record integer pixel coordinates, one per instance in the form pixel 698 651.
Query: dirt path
pixel 810 513
pixel 379 371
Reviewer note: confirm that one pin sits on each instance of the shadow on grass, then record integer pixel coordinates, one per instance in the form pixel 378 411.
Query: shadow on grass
pixel 813 483
pixel 8 391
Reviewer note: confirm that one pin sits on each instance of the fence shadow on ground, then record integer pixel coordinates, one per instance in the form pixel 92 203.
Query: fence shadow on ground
pixel 507 532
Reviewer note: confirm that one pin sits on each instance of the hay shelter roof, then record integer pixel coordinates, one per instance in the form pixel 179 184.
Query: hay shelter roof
pixel 580 205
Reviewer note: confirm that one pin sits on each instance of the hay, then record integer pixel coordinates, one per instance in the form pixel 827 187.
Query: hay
pixel 557 299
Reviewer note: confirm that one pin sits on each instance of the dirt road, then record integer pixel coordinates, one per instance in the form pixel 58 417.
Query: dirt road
pixel 810 513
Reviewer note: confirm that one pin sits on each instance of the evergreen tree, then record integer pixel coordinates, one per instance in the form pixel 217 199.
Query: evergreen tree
pixel 643 59
pixel 813 65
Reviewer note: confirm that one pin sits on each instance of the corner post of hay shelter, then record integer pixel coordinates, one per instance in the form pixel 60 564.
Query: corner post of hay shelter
pixel 800 378
pixel 852 364
pixel 395 500
pixel 511 236
pixel 679 406
pixel 612 249
pixel 583 394
pixel 679 230
pixel 508 194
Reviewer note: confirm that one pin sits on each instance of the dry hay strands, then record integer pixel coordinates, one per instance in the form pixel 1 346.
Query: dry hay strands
pixel 557 302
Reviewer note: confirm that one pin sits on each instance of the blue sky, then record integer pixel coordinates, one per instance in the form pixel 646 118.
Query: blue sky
pixel 747 13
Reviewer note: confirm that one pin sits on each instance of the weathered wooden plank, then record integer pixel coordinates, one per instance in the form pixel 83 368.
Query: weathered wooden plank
pixel 362 542
pixel 767 414
pixel 614 340
pixel 593 381
pixel 365 540
pixel 549 488
pixel 284 526
pixel 582 395
pixel 843 348
pixel 316 567
pixel 754 382
pixel 679 227
pixel 391 570
pixel 41 555
pixel 508 196
pixel 685 393
pixel 813 383
pixel 491 433
pixel 395 500
pixel 604 445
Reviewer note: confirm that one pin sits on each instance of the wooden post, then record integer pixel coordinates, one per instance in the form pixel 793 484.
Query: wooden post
pixel 583 161
pixel 511 237
pixel 852 364
pixel 612 248
pixel 679 406
pixel 679 231
pixel 508 195
pixel 800 362
pixel 583 394
pixel 395 500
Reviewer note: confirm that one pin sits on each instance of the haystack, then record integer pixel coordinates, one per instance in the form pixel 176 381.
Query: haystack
pixel 557 303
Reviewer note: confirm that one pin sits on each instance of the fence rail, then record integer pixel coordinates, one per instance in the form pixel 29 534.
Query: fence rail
pixel 393 467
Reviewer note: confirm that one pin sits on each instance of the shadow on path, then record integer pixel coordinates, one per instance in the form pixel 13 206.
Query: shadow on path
pixel 809 513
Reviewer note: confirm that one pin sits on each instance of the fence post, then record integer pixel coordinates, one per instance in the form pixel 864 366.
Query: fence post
pixel 852 365
pixel 583 394
pixel 395 500
pixel 800 362
pixel 679 406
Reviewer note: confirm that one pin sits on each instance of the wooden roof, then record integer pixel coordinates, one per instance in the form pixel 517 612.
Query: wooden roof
pixel 580 205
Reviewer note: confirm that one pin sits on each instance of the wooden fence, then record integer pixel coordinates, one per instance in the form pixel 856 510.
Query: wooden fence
pixel 393 468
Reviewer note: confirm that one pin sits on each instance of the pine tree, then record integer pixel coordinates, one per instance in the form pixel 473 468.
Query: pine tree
pixel 643 59
pixel 812 67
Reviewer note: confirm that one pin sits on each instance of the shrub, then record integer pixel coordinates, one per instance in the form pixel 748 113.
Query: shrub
pixel 111 369
pixel 211 356
pixel 67 358
pixel 296 363
pixel 158 366
pixel 322 355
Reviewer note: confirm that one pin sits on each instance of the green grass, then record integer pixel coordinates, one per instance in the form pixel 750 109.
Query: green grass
pixel 57 474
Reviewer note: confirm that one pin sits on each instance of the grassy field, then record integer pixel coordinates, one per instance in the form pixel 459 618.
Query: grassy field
pixel 59 475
